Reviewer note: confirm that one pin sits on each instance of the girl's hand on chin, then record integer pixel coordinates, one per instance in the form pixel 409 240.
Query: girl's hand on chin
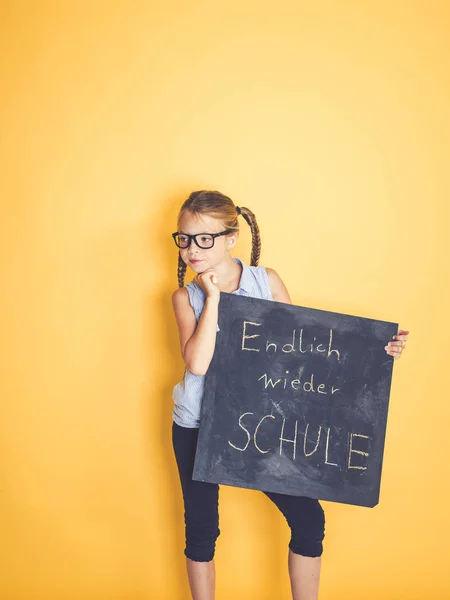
pixel 208 282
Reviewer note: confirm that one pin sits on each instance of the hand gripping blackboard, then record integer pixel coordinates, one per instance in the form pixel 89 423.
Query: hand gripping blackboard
pixel 296 401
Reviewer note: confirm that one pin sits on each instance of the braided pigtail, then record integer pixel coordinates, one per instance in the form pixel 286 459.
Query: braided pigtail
pixel 256 238
pixel 181 271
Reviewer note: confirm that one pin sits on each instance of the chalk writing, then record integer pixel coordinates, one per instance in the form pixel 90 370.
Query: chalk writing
pixel 290 346
pixel 281 447
pixel 295 401
pixel 306 386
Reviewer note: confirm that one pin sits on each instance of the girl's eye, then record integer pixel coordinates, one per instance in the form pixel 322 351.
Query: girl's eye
pixel 206 238
pixel 182 239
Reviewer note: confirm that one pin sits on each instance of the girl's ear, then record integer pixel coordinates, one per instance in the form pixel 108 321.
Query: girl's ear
pixel 231 241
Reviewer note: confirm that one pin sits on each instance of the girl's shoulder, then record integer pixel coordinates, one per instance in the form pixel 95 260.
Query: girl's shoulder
pixel 278 289
pixel 193 289
pixel 191 292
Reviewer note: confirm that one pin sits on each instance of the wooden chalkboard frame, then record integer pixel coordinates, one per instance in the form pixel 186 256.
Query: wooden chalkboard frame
pixel 256 435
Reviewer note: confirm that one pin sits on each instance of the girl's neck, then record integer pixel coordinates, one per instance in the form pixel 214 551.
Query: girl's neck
pixel 229 274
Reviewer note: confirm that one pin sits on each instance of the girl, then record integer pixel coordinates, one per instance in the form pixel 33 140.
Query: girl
pixel 208 229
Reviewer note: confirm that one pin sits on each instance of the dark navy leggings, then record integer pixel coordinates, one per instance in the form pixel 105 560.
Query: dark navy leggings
pixel 305 516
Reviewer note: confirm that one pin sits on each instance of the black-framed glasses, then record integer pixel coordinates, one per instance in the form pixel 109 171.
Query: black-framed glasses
pixel 203 240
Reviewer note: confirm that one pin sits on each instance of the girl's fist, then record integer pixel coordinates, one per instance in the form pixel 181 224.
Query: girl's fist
pixel 208 282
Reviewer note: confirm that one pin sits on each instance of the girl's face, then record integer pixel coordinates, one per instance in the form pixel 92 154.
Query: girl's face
pixel 201 259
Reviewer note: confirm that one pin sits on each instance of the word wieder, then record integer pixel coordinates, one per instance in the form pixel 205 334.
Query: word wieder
pixel 297 384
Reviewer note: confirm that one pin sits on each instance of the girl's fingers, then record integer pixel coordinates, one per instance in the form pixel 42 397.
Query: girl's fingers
pixel 401 335
pixel 394 351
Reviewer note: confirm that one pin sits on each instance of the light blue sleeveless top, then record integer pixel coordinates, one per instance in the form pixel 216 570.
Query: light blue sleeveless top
pixel 188 393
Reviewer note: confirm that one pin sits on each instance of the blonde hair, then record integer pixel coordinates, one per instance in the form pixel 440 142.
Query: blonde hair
pixel 219 206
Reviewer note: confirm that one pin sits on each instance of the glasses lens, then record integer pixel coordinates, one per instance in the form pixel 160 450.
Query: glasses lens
pixel 205 241
pixel 182 241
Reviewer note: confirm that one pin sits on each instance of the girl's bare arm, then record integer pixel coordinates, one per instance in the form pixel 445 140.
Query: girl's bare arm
pixel 197 340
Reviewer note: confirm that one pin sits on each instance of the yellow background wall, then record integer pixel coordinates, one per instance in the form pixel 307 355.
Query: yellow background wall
pixel 329 120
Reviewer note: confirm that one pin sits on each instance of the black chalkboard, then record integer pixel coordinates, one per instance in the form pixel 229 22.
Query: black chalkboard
pixel 296 401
